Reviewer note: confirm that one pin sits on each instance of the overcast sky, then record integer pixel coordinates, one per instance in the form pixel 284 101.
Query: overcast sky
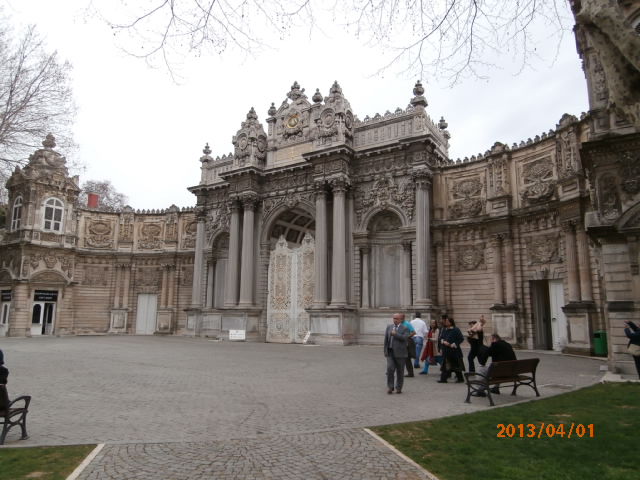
pixel 145 133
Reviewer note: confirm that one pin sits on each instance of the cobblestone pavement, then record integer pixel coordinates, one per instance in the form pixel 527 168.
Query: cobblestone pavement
pixel 192 408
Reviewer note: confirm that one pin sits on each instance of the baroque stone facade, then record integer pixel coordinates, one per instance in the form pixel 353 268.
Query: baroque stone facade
pixel 318 225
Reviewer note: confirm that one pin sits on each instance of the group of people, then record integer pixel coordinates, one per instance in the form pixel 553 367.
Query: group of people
pixel 406 344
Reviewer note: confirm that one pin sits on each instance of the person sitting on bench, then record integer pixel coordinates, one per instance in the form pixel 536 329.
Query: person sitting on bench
pixel 499 351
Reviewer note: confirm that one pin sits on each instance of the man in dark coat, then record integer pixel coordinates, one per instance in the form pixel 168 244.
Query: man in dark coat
pixel 450 342
pixel 395 349
pixel 499 351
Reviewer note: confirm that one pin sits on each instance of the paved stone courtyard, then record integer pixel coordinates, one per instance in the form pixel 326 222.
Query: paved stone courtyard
pixel 190 408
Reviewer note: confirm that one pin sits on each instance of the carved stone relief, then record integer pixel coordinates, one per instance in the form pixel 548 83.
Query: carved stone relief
pixel 537 179
pixel 608 197
pixel 566 153
pixel 126 227
pixel 189 239
pixel 470 257
pixel 95 276
pixel 268 204
pixel 50 259
pixel 384 222
pixel 543 249
pixel 149 236
pixel 218 219
pixel 171 228
pixel 467 201
pixel 630 173
pixel 147 277
pixel 385 192
pixel 99 234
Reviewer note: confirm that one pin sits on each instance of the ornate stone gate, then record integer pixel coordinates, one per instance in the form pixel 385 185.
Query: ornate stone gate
pixel 291 282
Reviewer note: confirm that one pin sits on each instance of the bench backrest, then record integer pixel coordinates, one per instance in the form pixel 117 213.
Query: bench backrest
pixel 512 368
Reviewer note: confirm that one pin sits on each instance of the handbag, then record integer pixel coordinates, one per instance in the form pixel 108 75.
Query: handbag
pixel 634 349
pixel 411 348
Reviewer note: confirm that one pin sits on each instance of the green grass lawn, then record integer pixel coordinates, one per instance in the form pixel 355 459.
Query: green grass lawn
pixel 43 463
pixel 467 446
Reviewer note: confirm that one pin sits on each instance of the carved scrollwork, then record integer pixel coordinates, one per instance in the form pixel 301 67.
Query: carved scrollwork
pixel 385 192
pixel 466 198
pixel 470 257
pixel 218 219
pixel 292 200
pixel 608 198
pixel 538 181
pixel 543 249
pixel 630 174
pixel 150 236
pixel 189 238
pixel 99 234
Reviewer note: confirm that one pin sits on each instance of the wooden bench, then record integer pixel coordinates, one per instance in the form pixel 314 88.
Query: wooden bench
pixel 12 415
pixel 518 372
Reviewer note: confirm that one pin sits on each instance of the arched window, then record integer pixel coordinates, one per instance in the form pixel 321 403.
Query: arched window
pixel 16 214
pixel 53 209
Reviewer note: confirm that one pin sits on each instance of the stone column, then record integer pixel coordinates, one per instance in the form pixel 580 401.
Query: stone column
pixel 172 282
pixel 572 261
pixel 584 265
pixel 164 288
pixel 247 280
pixel 364 256
pixel 116 295
pixel 231 290
pixel 211 273
pixel 127 279
pixel 321 252
pixel 338 261
pixel 405 288
pixel 498 294
pixel 422 240
pixel 440 270
pixel 510 280
pixel 198 264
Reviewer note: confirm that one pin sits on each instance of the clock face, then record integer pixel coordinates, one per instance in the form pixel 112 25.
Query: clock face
pixel 292 121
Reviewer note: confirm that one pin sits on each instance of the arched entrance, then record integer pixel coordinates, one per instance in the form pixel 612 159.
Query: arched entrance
pixel 291 277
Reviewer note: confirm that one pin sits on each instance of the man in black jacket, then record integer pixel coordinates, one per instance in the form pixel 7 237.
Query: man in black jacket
pixel 499 351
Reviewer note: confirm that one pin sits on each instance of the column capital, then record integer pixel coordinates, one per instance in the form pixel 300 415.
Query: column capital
pixel 422 176
pixel 365 250
pixel 319 187
pixel 339 185
pixel 201 213
pixel 233 204
pixel 249 201
pixel 406 245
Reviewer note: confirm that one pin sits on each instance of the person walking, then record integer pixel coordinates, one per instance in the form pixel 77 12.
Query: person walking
pixel 632 331
pixel 421 333
pixel 431 353
pixel 475 339
pixel 395 351
pixel 450 341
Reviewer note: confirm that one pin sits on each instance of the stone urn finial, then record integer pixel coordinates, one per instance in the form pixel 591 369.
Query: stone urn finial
pixel 272 110
pixel 206 150
pixel 49 142
pixel 317 97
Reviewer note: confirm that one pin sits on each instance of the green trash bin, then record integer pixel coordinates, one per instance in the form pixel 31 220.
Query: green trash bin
pixel 600 343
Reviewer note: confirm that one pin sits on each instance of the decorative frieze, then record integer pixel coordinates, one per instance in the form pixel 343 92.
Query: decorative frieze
pixel 291 200
pixel 467 200
pixel 147 277
pixel 189 238
pixel 608 197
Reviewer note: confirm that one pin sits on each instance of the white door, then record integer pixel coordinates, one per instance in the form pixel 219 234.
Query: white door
pixel 559 331
pixel 42 318
pixel 146 318
pixel 290 291
pixel 4 319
